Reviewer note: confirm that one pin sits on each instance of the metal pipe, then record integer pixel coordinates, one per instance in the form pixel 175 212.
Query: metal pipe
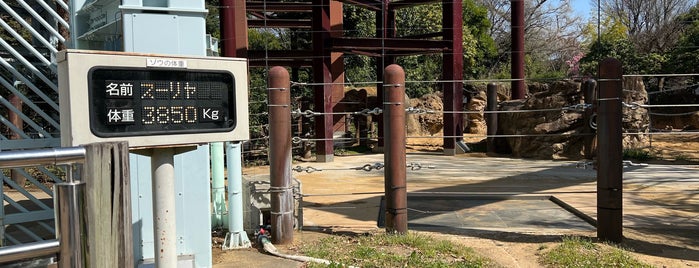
pixel 53 156
pixel 236 236
pixel 218 185
pixel 394 157
pixel 164 216
pixel 72 227
pixel 609 156
pixel 518 83
pixel 280 155
pixel 28 251
pixel 491 119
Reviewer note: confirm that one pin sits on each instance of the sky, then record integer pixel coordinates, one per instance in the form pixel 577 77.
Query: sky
pixel 582 8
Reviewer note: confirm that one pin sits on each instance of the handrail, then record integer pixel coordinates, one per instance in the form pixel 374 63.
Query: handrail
pixel 52 156
pixel 28 251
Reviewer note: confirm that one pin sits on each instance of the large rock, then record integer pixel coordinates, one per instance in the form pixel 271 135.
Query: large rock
pixel 547 131
pixel 636 119
pixel 426 123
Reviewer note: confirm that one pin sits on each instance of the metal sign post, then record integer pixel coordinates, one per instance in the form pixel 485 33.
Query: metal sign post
pixel 163 105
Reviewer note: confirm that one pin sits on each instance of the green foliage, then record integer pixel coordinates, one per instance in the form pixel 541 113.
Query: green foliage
pixel 632 61
pixel 479 48
pixel 213 26
pixel 578 252
pixel 386 250
pixel 637 154
pixel 684 58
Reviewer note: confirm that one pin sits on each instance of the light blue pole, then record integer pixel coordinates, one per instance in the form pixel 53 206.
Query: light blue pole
pixel 218 185
pixel 236 236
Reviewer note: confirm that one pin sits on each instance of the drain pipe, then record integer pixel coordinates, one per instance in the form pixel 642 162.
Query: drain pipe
pixel 267 245
pixel 218 191
pixel 236 236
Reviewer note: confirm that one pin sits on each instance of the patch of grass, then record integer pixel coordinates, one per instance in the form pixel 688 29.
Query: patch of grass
pixel 637 154
pixel 386 250
pixel 682 157
pixel 354 150
pixel 580 252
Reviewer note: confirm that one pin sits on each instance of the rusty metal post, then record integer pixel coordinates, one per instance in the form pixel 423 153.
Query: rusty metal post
pixel 609 172
pixel 452 70
pixel 234 28
pixel 281 194
pixel 385 28
pixel 322 92
pixel 518 84
pixel 590 97
pixel 491 118
pixel 394 156
pixel 16 120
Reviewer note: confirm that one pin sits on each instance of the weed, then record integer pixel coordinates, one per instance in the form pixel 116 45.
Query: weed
pixel 637 154
pixel 386 250
pixel 580 252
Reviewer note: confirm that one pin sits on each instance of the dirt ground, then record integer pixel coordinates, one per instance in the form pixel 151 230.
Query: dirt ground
pixel 671 247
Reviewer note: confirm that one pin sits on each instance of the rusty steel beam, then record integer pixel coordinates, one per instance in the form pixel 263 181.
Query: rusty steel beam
pixel 452 70
pixel 517 66
pixel 371 5
pixel 266 6
pixel 295 63
pixel 234 29
pixel 280 23
pixel 385 29
pixel 281 192
pixel 395 172
pixel 609 156
pixel 389 43
pixel 424 36
pixel 322 93
pixel 290 54
pixel 491 119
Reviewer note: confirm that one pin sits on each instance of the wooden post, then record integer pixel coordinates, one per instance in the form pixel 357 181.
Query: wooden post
pixel 108 200
pixel 610 169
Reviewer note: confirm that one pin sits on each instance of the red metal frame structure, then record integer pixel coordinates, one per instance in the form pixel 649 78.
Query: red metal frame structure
pixel 324 18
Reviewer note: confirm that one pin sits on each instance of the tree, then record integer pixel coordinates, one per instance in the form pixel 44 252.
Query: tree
pixel 552 36
pixel 685 55
pixel 652 25
pixel 479 48
pixel 614 42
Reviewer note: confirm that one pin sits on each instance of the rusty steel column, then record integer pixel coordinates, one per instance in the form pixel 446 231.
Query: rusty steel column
pixel 491 119
pixel 517 66
pixel 16 121
pixel 281 194
pixel 14 118
pixel 234 28
pixel 322 93
pixel 590 97
pixel 609 156
pixel 394 156
pixel 452 72
pixel 385 28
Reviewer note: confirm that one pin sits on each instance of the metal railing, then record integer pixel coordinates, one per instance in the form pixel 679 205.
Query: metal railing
pixel 70 196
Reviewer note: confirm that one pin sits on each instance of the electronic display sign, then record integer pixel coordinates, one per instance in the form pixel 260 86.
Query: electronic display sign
pixel 151 100
pixel 133 102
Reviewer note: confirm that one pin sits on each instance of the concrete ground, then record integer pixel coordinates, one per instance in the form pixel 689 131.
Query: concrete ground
pixel 482 197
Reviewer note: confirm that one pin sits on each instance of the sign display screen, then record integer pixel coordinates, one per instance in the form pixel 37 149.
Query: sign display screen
pixel 140 101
